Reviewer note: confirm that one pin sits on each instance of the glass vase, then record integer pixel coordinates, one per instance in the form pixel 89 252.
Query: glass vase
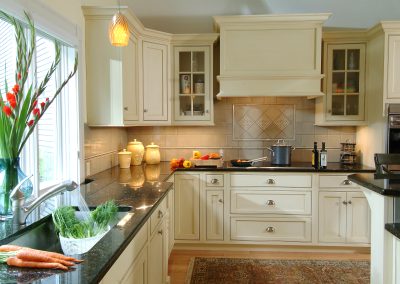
pixel 10 176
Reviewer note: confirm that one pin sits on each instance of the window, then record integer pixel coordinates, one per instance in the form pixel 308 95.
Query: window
pixel 52 153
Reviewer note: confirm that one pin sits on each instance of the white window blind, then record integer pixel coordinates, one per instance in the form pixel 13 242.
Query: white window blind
pixel 8 52
pixel 48 136
pixel 52 152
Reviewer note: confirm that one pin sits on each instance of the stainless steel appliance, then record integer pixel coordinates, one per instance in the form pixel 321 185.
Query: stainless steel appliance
pixel 393 131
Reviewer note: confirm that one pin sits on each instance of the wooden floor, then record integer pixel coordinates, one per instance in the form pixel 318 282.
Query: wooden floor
pixel 179 259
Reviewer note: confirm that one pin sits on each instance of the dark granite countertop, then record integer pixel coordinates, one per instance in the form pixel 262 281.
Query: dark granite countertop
pixel 131 187
pixel 136 186
pixel 382 186
pixel 294 167
pixel 394 229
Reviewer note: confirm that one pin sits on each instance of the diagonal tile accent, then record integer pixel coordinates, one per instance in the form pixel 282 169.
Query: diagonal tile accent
pixel 263 122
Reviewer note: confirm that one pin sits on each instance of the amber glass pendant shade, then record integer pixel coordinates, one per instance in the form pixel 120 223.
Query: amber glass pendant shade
pixel 118 30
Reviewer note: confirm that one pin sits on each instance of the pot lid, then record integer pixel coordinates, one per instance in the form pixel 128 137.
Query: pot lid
pixel 124 152
pixel 152 145
pixel 281 142
pixel 135 142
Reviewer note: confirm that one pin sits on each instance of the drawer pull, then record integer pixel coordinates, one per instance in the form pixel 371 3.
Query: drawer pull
pixel 349 202
pixel 347 182
pixel 270 229
pixel 160 214
pixel 220 201
pixel 344 202
pixel 160 232
pixel 270 181
pixel 214 181
pixel 271 203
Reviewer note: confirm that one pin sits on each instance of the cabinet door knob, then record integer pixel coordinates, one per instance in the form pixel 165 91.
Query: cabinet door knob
pixel 346 182
pixel 349 202
pixel 206 110
pixel 214 181
pixel 220 201
pixel 160 214
pixel 160 232
pixel 145 110
pixel 270 203
pixel 270 229
pixel 344 202
pixel 125 108
pixel 270 181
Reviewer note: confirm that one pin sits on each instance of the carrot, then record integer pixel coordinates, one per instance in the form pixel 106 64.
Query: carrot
pixel 31 255
pixel 8 248
pixel 15 261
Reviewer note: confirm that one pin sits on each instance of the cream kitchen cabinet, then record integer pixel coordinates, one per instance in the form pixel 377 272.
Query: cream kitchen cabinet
pixel 157 255
pixel 126 86
pixel 112 89
pixel 344 217
pixel 215 215
pixel 344 83
pixel 155 82
pixel 393 67
pixel 187 206
pixel 199 207
pixel 193 79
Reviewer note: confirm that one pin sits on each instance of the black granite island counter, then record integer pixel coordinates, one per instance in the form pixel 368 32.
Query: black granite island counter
pixel 383 196
pixel 140 195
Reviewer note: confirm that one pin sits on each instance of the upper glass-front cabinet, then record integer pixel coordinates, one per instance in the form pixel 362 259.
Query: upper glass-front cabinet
pixel 192 84
pixel 345 87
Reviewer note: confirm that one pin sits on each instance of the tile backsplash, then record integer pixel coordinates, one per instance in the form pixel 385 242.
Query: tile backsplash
pixel 103 144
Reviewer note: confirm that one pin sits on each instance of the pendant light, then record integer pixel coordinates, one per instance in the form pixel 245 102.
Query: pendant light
pixel 118 29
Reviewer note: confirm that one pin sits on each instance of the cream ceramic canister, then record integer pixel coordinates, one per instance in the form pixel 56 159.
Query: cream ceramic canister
pixel 152 155
pixel 137 149
pixel 124 159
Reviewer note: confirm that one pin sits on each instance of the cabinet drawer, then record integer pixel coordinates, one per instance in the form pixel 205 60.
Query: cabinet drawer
pixel 214 180
pixel 270 202
pixel 268 180
pixel 336 181
pixel 271 229
pixel 158 214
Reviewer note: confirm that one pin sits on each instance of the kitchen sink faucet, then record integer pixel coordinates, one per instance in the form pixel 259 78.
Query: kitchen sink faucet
pixel 22 210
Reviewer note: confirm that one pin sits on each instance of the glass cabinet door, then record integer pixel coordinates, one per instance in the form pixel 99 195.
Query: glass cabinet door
pixel 345 82
pixel 192 94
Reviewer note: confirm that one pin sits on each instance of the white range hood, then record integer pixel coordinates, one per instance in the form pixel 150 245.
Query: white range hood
pixel 270 55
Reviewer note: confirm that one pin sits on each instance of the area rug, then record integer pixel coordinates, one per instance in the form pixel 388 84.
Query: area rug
pixel 263 271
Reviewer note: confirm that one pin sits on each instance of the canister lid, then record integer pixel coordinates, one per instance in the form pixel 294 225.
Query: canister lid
pixel 152 145
pixel 124 152
pixel 135 142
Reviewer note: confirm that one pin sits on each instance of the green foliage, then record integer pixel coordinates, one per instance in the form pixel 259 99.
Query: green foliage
pixel 15 128
pixel 69 226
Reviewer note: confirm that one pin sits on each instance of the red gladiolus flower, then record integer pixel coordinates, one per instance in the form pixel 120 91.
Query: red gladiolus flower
pixel 13 104
pixel 7 110
pixel 19 76
pixel 42 104
pixel 34 103
pixel 11 97
pixel 15 89
pixel 36 111
pixel 47 100
pixel 30 123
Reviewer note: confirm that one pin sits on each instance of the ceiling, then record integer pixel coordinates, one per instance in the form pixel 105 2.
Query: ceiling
pixel 195 16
